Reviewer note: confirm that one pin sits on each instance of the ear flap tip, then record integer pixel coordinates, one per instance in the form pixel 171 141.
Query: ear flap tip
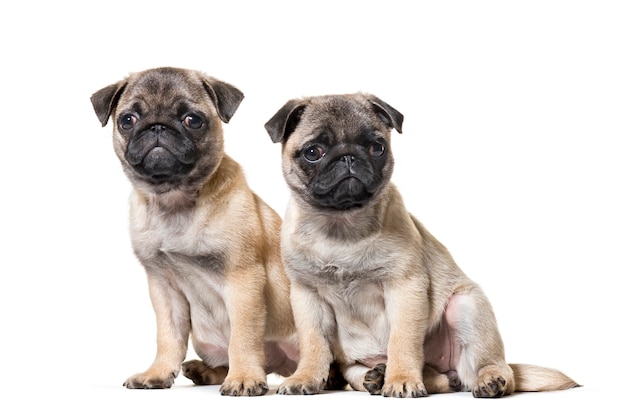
pixel 393 117
pixel 225 96
pixel 105 100
pixel 275 134
pixel 283 123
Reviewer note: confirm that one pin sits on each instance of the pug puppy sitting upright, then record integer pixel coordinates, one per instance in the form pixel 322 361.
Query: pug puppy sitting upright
pixel 209 245
pixel 371 287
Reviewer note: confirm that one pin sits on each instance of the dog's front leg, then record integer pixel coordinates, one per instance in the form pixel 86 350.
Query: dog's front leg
pixel 245 301
pixel 407 310
pixel 315 329
pixel 173 327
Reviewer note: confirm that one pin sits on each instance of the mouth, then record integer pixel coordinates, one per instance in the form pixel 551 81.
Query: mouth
pixel 159 165
pixel 159 161
pixel 346 194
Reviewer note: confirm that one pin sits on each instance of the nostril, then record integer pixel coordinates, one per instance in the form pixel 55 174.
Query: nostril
pixel 157 128
pixel 348 159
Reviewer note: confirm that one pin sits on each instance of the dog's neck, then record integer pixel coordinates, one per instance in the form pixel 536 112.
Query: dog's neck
pixel 183 198
pixel 171 201
pixel 346 225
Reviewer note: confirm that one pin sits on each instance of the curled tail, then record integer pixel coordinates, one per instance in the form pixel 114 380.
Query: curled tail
pixel 531 378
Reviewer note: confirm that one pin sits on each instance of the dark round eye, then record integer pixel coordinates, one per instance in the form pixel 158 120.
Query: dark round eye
pixel 127 121
pixel 192 121
pixel 377 150
pixel 313 153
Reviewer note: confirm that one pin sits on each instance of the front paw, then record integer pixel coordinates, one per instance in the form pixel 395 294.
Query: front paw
pixel 402 387
pixel 235 387
pixel 295 385
pixel 151 380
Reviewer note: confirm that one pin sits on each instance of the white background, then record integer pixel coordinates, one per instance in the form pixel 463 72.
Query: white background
pixel 512 155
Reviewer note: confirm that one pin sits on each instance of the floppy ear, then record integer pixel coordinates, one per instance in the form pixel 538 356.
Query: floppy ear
pixel 392 117
pixel 284 122
pixel 226 97
pixel 105 100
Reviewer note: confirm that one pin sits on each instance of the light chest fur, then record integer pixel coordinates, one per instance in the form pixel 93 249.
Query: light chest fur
pixel 155 231
pixel 349 277
pixel 187 253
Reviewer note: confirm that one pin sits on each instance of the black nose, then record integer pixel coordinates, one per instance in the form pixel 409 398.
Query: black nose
pixel 156 129
pixel 348 160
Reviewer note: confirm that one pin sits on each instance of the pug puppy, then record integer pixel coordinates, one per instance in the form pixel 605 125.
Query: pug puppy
pixel 371 287
pixel 209 245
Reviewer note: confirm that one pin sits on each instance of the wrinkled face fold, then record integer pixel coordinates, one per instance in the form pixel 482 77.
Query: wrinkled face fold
pixel 164 127
pixel 159 151
pixel 342 155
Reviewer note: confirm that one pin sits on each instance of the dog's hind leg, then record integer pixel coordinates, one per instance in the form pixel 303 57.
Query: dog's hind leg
pixel 202 374
pixel 372 380
pixel 481 367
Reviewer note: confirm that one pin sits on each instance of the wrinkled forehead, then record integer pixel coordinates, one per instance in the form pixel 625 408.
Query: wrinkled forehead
pixel 344 116
pixel 167 90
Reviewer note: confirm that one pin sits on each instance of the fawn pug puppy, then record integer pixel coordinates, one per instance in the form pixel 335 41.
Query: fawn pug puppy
pixel 371 287
pixel 209 245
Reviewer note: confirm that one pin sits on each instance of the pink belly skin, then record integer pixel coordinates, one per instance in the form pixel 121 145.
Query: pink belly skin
pixel 442 348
